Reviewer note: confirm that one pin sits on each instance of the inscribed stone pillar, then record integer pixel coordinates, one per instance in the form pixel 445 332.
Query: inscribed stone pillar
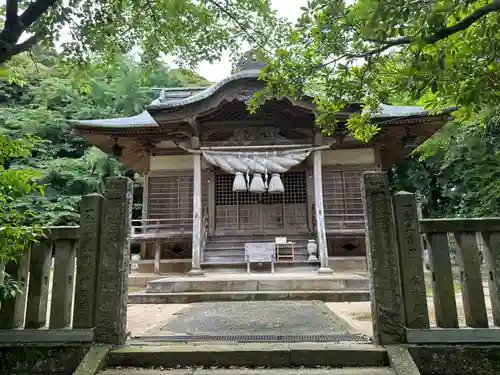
pixel 318 205
pixel 88 255
pixel 410 255
pixel 114 261
pixel 382 259
pixel 197 213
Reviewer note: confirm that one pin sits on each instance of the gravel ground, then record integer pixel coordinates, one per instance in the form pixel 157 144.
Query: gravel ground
pixel 263 317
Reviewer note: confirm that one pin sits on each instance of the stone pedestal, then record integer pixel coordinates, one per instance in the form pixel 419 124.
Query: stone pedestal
pixel 114 261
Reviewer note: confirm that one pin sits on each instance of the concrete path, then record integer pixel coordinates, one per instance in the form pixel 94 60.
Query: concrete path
pixel 255 317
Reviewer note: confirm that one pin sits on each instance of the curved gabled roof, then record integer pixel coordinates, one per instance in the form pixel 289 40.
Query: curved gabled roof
pixel 173 98
pixel 143 119
pixel 394 111
pixel 198 97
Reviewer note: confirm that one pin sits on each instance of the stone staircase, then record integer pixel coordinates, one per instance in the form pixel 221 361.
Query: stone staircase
pixel 250 359
pixel 223 252
pixel 254 287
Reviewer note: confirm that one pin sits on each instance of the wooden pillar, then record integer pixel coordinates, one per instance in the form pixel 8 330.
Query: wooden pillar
pixel 318 205
pixel 310 198
pixel 157 247
pixel 211 203
pixel 145 207
pixel 197 211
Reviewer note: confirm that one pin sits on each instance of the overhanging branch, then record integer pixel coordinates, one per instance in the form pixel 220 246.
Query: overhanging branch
pixel 28 43
pixel 465 23
pixel 34 11
pixel 240 25
pixel 11 16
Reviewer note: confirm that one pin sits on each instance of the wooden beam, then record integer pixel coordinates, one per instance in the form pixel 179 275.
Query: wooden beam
pixel 453 336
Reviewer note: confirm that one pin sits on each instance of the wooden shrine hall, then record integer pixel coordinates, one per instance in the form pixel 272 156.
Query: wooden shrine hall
pixel 217 178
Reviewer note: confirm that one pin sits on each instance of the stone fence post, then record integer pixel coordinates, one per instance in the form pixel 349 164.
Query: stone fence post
pixel 411 258
pixel 114 260
pixel 382 259
pixel 88 256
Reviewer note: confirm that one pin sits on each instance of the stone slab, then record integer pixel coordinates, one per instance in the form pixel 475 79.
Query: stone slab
pixel 401 361
pixel 94 360
pixel 346 355
pixel 272 355
pixel 263 318
pixel 327 296
pixel 182 285
pixel 269 355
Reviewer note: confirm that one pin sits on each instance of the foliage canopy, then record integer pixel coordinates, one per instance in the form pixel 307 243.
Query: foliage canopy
pixel 439 53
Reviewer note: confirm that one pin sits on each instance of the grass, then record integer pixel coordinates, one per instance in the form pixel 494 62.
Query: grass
pixel 428 285
pixel 133 289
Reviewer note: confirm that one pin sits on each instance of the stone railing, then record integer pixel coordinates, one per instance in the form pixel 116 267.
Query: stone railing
pixel 400 293
pixel 47 292
pixel 75 279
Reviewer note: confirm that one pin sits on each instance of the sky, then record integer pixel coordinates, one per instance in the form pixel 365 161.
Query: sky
pixel 217 71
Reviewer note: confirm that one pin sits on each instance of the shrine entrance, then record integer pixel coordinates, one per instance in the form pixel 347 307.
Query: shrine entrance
pixel 264 213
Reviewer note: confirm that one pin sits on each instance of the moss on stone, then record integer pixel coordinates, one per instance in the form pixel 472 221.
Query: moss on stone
pixel 457 359
pixel 41 358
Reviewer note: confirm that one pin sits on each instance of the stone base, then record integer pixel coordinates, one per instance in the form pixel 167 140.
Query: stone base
pixel 325 271
pixel 195 272
pixel 258 282
pixel 41 358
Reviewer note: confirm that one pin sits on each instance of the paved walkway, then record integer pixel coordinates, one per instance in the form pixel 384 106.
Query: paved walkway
pixel 239 318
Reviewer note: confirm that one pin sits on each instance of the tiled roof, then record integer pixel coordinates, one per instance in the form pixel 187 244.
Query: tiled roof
pixel 175 97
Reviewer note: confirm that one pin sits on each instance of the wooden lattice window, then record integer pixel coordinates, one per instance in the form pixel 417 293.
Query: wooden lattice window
pixel 295 191
pixel 170 197
pixel 342 202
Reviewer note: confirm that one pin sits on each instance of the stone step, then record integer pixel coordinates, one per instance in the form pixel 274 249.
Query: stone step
pixel 235 247
pixel 283 295
pixel 274 355
pixel 240 267
pixel 240 371
pixel 258 238
pixel 234 259
pixel 264 283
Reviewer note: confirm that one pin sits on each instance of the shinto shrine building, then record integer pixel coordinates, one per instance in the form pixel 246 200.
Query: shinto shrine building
pixel 217 177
